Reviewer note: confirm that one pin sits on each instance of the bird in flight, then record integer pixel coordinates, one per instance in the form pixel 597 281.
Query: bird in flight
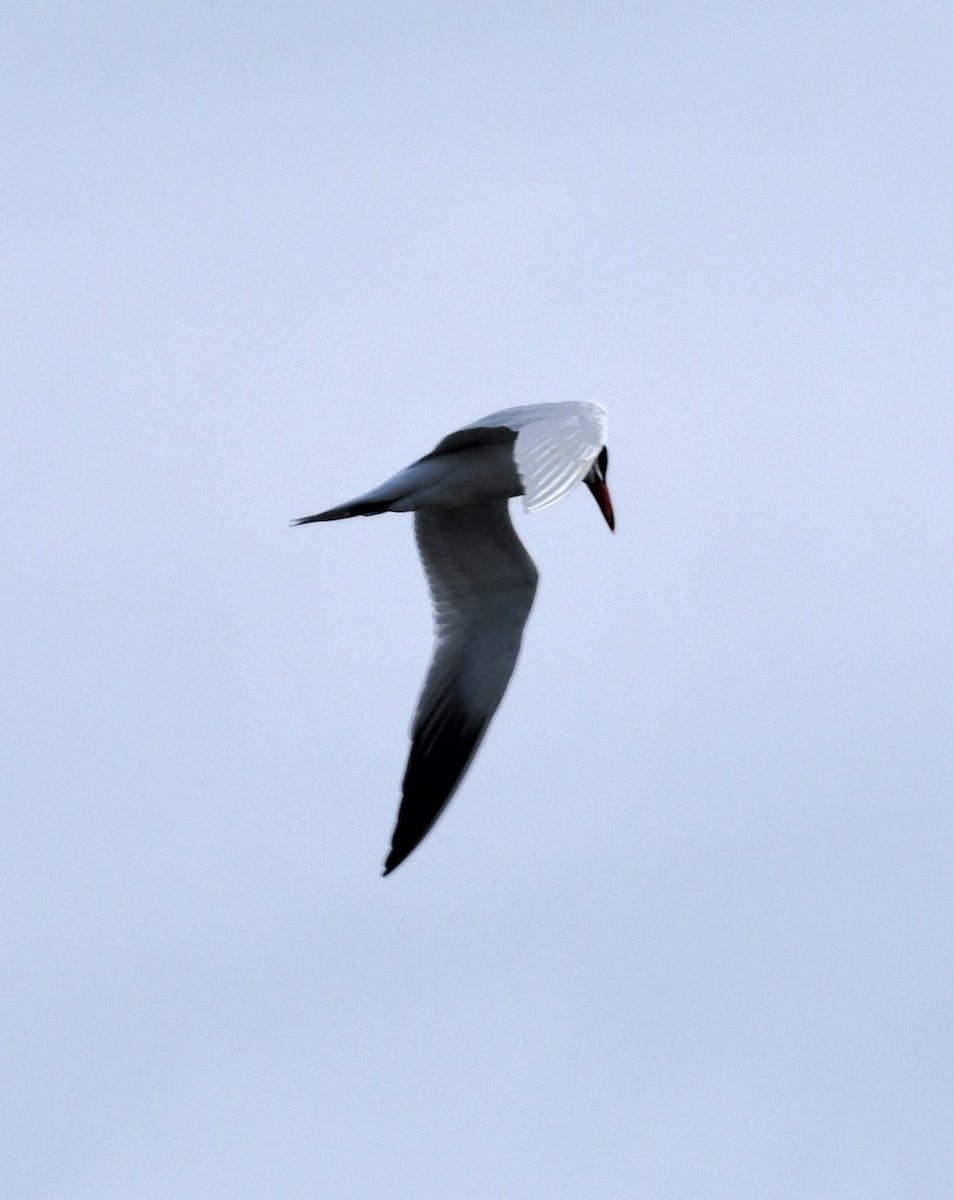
pixel 481 579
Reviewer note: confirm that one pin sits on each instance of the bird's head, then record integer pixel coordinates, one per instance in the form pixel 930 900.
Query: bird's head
pixel 595 480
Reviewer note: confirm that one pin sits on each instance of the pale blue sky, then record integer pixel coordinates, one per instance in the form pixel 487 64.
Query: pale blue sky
pixel 685 932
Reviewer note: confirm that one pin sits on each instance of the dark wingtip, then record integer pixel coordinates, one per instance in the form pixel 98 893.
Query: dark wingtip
pixel 394 860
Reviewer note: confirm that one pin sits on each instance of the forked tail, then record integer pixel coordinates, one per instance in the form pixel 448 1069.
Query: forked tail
pixel 356 508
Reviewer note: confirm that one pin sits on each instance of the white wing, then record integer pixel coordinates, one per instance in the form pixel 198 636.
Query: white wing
pixel 555 447
pixel 482 583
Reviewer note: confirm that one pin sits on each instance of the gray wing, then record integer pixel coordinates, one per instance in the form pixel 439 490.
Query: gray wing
pixel 556 444
pixel 482 583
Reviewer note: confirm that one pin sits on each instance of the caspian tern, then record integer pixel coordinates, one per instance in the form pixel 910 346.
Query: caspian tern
pixel 481 579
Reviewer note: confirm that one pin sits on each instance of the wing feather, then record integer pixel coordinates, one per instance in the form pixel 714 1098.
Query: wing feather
pixel 482 583
pixel 555 447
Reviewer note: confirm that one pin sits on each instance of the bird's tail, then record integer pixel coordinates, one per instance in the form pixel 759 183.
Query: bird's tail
pixel 355 508
pixel 378 500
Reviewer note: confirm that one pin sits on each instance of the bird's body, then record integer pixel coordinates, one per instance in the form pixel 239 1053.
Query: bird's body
pixel 482 581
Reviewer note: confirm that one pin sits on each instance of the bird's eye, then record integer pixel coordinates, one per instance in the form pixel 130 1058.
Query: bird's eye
pixel 603 461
